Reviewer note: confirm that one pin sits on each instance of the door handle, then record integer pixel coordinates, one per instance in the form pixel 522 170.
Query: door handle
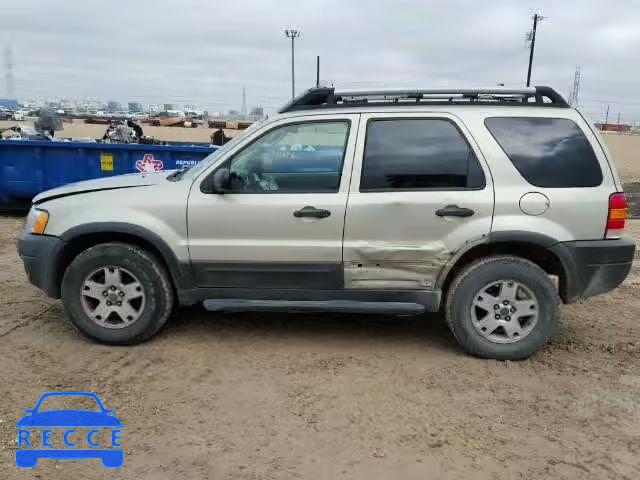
pixel 454 211
pixel 312 212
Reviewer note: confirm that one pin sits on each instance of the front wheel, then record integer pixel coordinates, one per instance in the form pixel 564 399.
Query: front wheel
pixel 502 307
pixel 117 293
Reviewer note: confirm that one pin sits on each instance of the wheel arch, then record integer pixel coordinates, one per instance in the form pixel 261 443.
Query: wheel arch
pixel 78 239
pixel 535 247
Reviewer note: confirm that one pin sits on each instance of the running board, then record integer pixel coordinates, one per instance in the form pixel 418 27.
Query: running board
pixel 337 306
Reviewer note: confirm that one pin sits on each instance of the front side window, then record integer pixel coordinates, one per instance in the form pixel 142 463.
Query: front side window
pixel 295 158
pixel 418 154
pixel 548 152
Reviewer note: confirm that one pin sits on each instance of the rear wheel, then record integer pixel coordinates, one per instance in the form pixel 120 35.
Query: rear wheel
pixel 117 293
pixel 502 307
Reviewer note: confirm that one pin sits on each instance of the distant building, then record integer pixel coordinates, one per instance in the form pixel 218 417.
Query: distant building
pixel 113 106
pixel 135 107
pixel 67 104
pixel 91 105
pixel 613 127
pixel 155 108
pixel 33 103
pixel 8 103
pixel 169 106
pixel 257 112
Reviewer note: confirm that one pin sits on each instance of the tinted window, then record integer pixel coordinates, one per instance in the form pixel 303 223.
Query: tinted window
pixel 418 154
pixel 548 152
pixel 303 157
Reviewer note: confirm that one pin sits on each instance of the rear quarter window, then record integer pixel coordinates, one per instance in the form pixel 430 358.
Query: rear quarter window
pixel 548 152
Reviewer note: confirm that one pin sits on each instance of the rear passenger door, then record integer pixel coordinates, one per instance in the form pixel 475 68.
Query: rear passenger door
pixel 419 192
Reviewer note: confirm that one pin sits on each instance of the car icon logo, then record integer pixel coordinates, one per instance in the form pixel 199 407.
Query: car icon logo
pixel 41 429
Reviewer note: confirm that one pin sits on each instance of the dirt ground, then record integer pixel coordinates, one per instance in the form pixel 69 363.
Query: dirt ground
pixel 624 149
pixel 318 396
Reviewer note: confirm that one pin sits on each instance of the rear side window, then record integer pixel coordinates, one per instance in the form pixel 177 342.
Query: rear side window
pixel 548 152
pixel 418 154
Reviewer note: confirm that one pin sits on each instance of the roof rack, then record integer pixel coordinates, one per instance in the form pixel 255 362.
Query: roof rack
pixel 328 97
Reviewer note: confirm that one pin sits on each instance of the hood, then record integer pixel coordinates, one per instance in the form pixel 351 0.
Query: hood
pixel 69 418
pixel 131 180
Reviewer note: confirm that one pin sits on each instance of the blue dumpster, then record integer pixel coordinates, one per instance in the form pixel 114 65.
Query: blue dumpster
pixel 28 167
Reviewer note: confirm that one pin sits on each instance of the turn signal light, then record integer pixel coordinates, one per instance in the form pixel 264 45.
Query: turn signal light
pixel 41 222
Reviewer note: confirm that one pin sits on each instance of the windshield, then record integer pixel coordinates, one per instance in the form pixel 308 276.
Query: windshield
pixel 194 171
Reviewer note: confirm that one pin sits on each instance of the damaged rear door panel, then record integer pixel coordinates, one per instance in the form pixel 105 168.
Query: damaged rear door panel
pixel 420 192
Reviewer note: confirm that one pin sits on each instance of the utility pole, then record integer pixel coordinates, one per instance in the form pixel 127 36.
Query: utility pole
pixel 243 111
pixel 573 98
pixel 8 73
pixel 606 118
pixel 618 118
pixel 318 71
pixel 292 33
pixel 531 36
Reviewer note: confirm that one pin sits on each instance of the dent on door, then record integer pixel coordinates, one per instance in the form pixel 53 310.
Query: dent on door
pixel 398 241
pixel 411 245
pixel 389 265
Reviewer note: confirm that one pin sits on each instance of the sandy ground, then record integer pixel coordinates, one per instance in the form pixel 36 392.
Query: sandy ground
pixel 329 397
pixel 625 150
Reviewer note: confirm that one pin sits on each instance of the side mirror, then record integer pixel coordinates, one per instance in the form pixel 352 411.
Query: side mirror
pixel 219 183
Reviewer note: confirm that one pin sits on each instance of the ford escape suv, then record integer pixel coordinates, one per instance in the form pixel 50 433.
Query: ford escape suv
pixel 490 205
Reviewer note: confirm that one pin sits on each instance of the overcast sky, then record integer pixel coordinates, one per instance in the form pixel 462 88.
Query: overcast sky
pixel 203 51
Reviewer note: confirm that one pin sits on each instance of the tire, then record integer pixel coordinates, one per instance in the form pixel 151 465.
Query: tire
pixel 464 318
pixel 150 310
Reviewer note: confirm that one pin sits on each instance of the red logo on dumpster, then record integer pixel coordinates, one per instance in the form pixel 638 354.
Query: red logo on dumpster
pixel 149 164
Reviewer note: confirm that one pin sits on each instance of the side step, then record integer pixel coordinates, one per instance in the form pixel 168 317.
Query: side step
pixel 338 306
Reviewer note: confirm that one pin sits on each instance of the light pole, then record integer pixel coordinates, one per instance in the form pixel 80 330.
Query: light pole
pixel 292 33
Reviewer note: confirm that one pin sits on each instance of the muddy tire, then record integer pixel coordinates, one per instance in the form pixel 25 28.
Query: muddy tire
pixel 502 307
pixel 117 293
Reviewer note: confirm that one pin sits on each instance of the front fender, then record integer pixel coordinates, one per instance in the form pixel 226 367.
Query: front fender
pixel 178 269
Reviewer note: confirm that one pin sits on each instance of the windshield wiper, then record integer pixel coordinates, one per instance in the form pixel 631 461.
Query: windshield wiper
pixel 177 175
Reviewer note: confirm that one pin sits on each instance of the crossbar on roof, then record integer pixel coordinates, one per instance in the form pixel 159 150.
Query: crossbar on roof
pixel 324 97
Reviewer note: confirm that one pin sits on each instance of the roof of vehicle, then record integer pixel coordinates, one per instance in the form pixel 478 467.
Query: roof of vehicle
pixel 327 98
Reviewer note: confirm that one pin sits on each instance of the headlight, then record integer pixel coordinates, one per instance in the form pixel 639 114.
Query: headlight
pixel 37 221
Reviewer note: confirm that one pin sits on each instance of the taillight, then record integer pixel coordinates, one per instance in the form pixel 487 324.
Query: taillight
pixel 617 215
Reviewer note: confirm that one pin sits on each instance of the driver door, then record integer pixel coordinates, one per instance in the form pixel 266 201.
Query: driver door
pixel 281 224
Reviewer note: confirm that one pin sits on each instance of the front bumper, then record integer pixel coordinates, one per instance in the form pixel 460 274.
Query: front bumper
pixel 41 257
pixel 594 266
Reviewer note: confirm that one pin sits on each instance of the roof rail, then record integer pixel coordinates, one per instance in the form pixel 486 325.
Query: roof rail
pixel 328 97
